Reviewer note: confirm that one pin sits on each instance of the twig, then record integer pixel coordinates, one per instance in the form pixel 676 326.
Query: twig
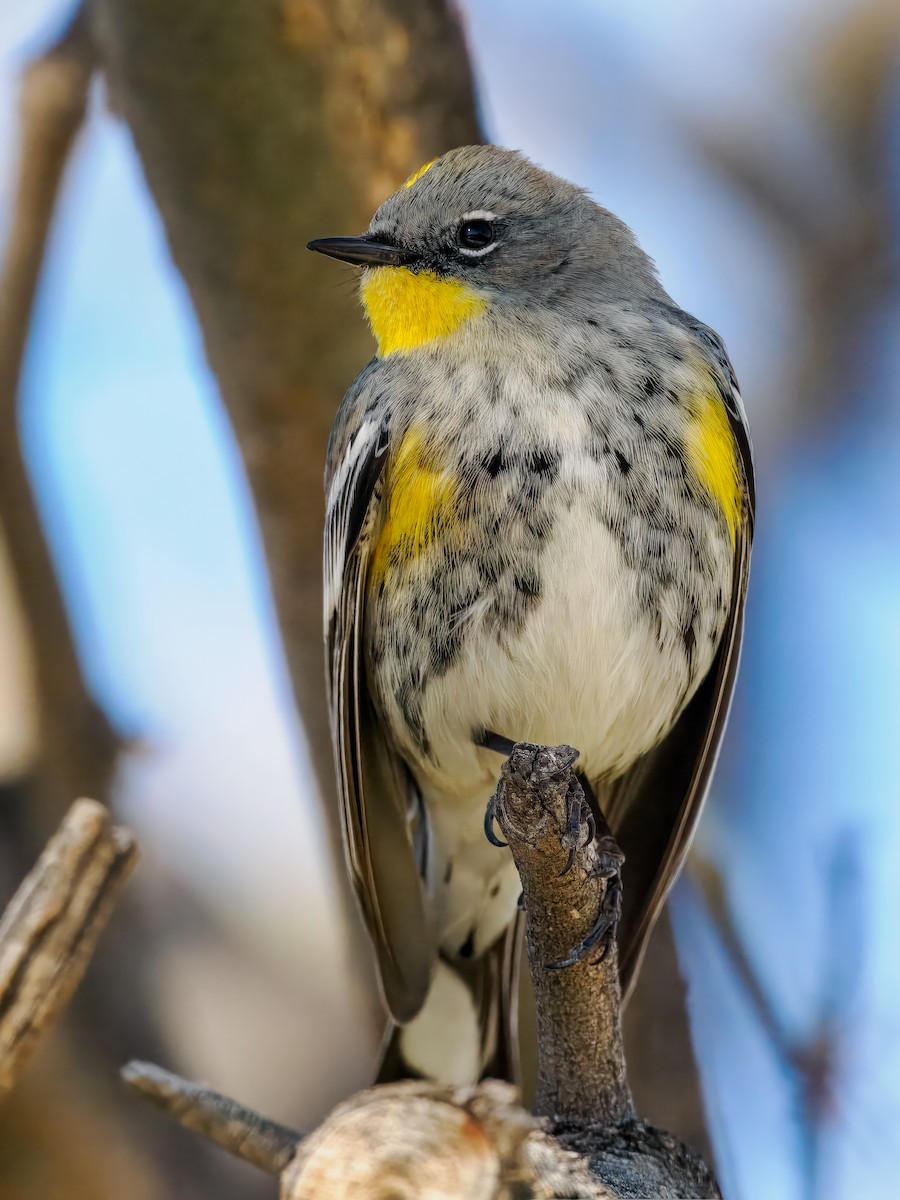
pixel 582 1082
pixel 816 1058
pixel 51 926
pixel 581 1066
pixel 230 1125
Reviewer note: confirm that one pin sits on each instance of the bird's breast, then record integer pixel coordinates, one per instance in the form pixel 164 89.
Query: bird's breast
pixel 539 587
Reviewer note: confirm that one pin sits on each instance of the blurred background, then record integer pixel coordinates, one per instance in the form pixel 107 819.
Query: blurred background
pixel 755 150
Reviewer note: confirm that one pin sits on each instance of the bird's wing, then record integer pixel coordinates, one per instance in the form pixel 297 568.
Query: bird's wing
pixel 374 787
pixel 656 805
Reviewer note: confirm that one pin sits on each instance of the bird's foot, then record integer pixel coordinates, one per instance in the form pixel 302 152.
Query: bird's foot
pixel 595 947
pixel 586 830
pixel 580 813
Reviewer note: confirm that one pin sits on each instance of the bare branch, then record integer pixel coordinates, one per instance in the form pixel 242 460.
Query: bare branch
pixel 844 247
pixel 582 1082
pixel 581 1061
pixel 417 1139
pixel 236 1129
pixel 51 926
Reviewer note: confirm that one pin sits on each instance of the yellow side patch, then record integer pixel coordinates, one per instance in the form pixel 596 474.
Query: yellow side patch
pixel 712 454
pixel 421 503
pixel 406 309
pixel 417 175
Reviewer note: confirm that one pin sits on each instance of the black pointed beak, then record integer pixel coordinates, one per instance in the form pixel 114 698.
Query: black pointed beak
pixel 362 251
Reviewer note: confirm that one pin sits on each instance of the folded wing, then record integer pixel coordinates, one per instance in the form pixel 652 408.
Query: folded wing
pixel 374 787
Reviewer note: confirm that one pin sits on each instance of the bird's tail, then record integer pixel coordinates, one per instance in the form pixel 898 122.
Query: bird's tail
pixel 468 1026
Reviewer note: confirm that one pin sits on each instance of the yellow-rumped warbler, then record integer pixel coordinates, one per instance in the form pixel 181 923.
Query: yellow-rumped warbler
pixel 539 515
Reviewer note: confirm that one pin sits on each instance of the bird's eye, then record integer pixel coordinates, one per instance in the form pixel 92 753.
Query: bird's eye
pixel 475 235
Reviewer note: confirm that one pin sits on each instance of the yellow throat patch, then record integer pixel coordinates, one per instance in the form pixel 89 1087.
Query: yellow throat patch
pixel 712 454
pixel 407 308
pixel 421 504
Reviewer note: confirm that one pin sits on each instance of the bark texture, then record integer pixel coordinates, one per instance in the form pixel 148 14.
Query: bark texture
pixel 581 1064
pixel 51 926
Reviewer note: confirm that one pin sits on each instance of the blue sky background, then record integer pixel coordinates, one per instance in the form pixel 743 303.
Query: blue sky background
pixel 149 518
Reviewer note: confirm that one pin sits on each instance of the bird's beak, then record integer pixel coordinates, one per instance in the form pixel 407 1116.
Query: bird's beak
pixel 362 251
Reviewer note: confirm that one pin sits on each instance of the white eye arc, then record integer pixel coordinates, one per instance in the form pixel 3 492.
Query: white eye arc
pixel 480 217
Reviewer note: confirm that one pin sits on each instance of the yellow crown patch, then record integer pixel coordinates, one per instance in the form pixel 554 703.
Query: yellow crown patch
pixel 417 175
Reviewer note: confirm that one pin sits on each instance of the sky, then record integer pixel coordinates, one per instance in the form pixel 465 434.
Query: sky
pixel 149 519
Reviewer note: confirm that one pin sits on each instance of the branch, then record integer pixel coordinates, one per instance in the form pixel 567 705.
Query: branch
pixel 845 252
pixel 236 1129
pixel 476 1143
pixel 51 926
pixel 413 1138
pixel 581 1067
pixel 582 1083
pixel 78 745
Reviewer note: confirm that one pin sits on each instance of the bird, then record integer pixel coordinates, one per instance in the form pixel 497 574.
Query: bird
pixel 539 513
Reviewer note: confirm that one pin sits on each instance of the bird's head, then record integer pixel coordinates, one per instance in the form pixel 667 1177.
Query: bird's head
pixel 482 229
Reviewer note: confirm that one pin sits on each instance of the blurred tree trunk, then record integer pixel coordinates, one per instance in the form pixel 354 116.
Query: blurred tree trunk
pixel 261 125
pixel 18 685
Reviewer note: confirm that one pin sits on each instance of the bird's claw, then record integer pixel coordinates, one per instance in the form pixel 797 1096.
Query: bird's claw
pixel 490 815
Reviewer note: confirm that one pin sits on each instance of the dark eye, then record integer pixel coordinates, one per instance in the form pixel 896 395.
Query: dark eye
pixel 475 235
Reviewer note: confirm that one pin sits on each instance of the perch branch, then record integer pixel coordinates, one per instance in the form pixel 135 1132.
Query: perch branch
pixel 581 1065
pixel 416 1138
pixel 582 1083
pixel 51 926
